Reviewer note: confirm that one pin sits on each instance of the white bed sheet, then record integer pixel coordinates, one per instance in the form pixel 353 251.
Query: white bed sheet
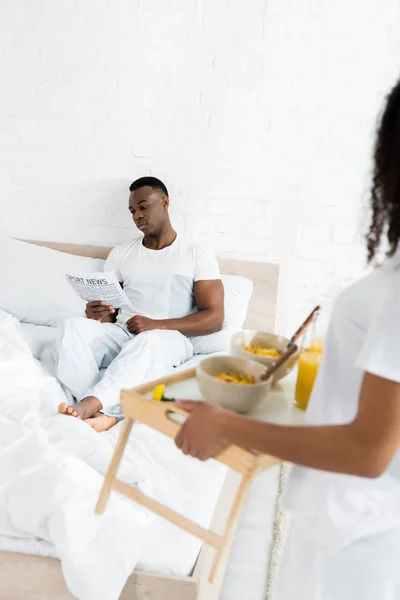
pixel 246 573
pixel 36 336
pixel 168 539
pixel 177 481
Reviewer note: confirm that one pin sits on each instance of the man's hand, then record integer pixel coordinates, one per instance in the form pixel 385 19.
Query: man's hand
pixel 139 324
pixel 98 310
pixel 203 434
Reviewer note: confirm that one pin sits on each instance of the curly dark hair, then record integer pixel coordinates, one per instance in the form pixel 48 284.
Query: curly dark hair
pixel 385 192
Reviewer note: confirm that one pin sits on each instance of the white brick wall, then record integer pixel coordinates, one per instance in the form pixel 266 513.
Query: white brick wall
pixel 257 114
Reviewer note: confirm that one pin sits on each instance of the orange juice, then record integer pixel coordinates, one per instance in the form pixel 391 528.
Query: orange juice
pixel 308 369
pixel 317 345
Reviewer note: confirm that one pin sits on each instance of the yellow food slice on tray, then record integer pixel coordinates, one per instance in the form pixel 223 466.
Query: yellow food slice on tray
pixel 158 392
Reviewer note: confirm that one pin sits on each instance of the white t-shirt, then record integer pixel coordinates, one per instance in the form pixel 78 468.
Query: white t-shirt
pixel 160 283
pixel 364 335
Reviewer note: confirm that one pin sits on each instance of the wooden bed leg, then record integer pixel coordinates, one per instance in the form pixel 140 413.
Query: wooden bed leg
pixel 234 514
pixel 114 464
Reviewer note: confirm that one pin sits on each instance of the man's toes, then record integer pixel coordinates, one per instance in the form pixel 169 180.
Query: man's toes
pixel 65 409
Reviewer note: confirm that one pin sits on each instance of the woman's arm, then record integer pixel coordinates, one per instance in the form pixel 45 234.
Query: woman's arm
pixel 363 447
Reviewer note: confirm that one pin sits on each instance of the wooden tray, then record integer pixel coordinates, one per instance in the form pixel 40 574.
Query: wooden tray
pixel 137 407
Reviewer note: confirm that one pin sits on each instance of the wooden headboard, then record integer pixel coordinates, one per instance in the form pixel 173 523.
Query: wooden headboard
pixel 265 277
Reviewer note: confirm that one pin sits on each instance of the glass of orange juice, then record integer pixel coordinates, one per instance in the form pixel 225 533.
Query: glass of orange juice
pixel 308 369
pixel 317 345
pixel 309 360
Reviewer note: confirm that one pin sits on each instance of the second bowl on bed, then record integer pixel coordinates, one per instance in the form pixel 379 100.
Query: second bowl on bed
pixel 265 340
pixel 241 398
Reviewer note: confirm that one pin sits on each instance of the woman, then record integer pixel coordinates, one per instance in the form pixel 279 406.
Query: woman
pixel 344 492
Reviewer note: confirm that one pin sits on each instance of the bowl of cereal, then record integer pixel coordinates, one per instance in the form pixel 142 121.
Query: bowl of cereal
pixel 264 348
pixel 232 382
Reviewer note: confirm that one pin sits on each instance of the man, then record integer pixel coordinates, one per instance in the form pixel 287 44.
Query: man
pixel 175 291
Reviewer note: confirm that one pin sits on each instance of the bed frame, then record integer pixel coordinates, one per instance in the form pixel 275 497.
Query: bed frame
pixel 24 576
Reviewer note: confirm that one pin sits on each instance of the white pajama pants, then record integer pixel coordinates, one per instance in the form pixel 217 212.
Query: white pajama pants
pixel 367 569
pixel 85 346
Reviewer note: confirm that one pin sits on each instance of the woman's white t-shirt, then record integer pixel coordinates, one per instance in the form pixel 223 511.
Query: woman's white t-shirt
pixel 160 283
pixel 364 335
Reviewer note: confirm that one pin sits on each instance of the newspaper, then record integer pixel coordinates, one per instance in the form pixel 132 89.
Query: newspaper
pixel 99 286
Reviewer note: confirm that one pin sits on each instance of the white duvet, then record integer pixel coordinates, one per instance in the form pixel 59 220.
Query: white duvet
pixel 51 469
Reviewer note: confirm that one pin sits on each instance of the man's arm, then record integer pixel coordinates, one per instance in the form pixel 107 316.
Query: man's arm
pixel 209 296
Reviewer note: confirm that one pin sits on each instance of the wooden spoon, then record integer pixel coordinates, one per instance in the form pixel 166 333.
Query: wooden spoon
pixel 303 326
pixel 277 364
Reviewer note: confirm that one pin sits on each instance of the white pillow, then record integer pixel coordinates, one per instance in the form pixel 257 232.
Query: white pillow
pixel 33 287
pixel 238 292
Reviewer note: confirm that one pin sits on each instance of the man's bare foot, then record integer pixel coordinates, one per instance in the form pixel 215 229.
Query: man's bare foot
pixel 82 410
pixel 100 422
pixel 66 409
